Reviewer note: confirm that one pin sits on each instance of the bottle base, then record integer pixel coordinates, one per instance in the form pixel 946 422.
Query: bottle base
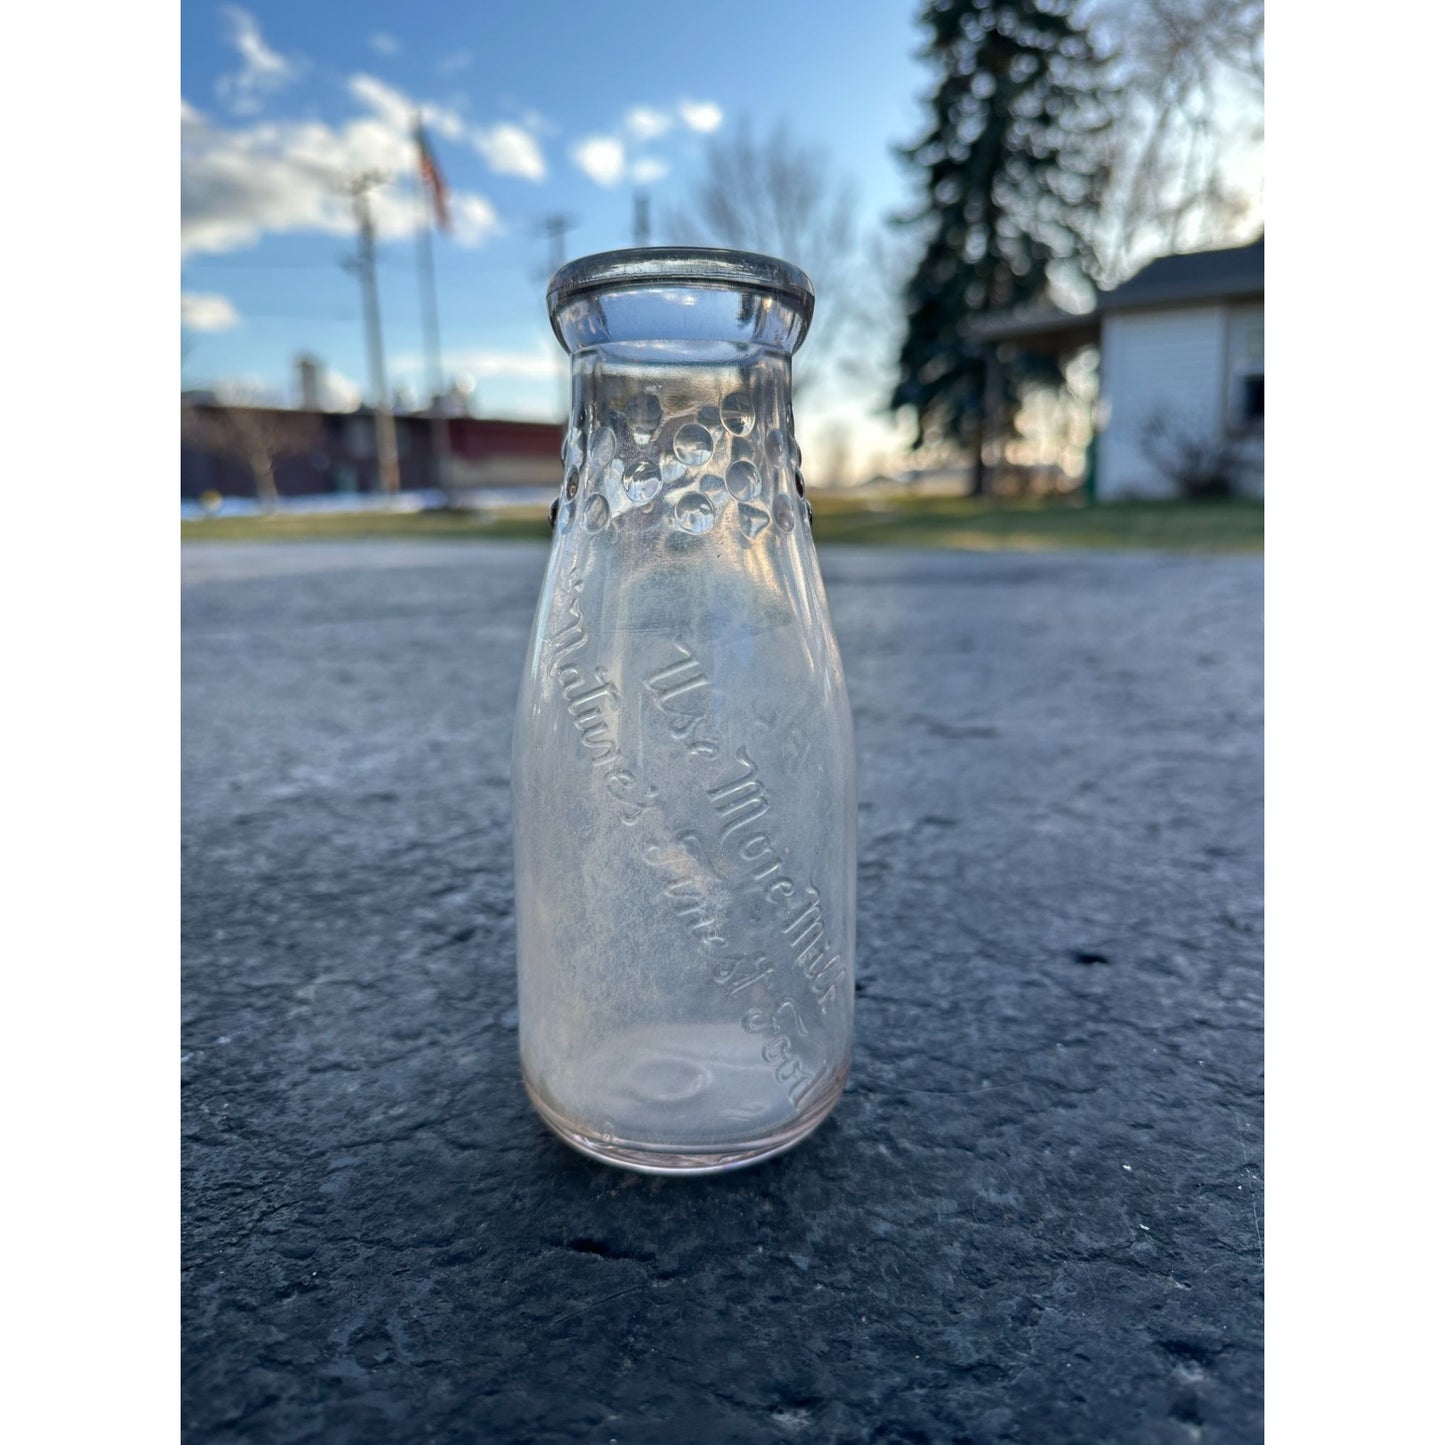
pixel 645 1158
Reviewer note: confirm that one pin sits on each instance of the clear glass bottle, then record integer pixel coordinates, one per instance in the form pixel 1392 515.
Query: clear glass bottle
pixel 683 781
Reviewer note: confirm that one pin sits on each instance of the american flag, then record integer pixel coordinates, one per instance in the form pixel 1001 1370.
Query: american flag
pixel 433 180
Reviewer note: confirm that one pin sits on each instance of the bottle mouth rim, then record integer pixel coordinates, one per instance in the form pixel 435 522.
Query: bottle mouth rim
pixel 684 266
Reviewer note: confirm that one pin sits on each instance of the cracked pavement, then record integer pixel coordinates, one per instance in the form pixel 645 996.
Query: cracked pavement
pixel 1036 1214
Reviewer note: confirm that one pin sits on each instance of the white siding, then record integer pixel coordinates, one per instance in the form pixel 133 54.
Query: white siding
pixel 1151 361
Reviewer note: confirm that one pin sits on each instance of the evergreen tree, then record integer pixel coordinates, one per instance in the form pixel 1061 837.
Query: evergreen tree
pixel 1014 167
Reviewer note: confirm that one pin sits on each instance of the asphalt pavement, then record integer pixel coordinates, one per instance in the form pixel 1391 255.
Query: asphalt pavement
pixel 1035 1216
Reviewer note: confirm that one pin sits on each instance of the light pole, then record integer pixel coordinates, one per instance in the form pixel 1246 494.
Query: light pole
pixel 363 266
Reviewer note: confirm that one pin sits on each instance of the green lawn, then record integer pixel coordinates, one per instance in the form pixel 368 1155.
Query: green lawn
pixel 524 522
pixel 951 522
pixel 1027 526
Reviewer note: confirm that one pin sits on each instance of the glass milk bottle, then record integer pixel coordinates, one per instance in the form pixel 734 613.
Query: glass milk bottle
pixel 683 780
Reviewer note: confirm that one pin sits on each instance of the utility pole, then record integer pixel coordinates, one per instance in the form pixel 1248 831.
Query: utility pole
pixel 555 228
pixel 363 266
pixel 432 343
pixel 641 220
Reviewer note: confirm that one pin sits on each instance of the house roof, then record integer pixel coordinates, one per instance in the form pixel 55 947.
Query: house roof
pixel 1194 276
pixel 1231 274
pixel 1045 328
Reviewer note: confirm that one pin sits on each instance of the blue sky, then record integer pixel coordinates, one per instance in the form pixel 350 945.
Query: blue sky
pixel 532 108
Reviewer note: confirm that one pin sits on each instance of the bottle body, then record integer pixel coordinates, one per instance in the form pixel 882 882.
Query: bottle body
pixel 683 774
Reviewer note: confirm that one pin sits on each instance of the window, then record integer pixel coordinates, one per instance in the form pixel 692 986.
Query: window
pixel 1246 357
pixel 1251 405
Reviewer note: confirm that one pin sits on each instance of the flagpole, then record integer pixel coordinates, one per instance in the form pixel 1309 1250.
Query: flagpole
pixel 431 334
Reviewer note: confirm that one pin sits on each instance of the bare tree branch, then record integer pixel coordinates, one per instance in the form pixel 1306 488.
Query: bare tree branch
pixel 1179 63
pixel 776 195
pixel 1202 465
pixel 256 437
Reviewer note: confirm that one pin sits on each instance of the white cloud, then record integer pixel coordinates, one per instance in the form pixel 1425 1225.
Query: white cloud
pixel 400 111
pixel 474 218
pixel 273 177
pixel 262 70
pixel 604 157
pixel 338 391
pixel 542 361
pixel 601 157
pixel 388 102
pixel 701 115
pixel 457 61
pixel 510 151
pixel 207 311
pixel 383 43
pixel 647 124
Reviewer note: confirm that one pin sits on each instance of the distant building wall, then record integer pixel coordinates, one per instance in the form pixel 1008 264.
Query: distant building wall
pixel 497 453
pixel 486 453
pixel 1170 361
pixel 1202 367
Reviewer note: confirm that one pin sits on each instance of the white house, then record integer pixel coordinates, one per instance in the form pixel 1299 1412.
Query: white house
pixel 1181 369
pixel 1181 351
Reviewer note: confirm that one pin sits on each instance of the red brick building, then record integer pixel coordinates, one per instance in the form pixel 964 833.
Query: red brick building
pixel 335 453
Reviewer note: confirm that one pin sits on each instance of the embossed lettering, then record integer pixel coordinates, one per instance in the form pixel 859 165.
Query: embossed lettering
pixel 585 699
pixel 722 789
pixel 679 690
pixel 739 975
pixel 684 719
pixel 573 635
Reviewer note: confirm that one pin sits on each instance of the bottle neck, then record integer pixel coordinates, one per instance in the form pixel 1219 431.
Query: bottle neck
pixel 698 440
